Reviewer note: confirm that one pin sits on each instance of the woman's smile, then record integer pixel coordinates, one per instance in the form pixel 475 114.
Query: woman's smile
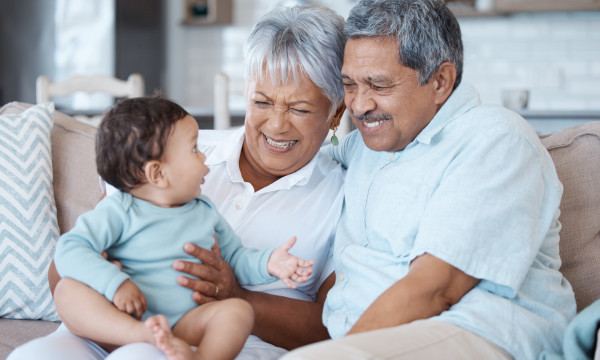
pixel 280 144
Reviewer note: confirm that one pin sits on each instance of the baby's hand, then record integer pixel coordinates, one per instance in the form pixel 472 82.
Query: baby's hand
pixel 128 298
pixel 288 267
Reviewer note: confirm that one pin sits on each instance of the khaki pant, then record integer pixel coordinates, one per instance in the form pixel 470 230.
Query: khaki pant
pixel 424 339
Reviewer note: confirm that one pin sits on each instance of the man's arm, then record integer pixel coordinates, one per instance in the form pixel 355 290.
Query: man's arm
pixel 430 287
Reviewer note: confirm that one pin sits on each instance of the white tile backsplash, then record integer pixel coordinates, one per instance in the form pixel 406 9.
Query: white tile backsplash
pixel 556 55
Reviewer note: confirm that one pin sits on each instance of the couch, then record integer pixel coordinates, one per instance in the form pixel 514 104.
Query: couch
pixel 76 190
pixel 575 151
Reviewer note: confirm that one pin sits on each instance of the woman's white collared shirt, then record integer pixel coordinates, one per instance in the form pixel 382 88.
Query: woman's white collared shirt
pixel 306 204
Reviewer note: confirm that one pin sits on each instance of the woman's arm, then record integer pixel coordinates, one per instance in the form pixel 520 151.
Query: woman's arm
pixel 281 321
pixel 53 277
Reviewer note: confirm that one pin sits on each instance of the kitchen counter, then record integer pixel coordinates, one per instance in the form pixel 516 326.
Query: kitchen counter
pixel 549 121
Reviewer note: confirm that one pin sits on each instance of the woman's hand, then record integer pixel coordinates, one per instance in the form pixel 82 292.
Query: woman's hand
pixel 216 279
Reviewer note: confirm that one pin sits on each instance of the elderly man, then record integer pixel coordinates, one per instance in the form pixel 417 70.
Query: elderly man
pixel 448 243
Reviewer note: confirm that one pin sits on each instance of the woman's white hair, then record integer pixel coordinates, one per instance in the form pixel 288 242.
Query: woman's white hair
pixel 296 41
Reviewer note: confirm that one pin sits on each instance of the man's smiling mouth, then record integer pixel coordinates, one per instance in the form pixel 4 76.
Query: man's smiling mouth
pixel 373 123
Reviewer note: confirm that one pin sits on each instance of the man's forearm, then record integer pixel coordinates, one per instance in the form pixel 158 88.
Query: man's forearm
pixel 431 287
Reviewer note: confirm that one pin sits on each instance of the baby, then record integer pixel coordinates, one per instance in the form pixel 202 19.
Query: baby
pixel 147 149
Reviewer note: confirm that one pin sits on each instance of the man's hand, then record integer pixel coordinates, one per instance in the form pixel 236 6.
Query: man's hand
pixel 130 299
pixel 288 267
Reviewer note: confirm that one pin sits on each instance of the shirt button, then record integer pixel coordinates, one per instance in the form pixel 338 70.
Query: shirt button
pixel 390 156
pixel 341 277
pixel 238 206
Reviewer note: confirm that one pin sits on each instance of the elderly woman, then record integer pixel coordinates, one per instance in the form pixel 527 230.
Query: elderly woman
pixel 270 182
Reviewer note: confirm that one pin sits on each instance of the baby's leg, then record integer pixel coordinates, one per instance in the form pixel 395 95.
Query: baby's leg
pixel 219 328
pixel 87 313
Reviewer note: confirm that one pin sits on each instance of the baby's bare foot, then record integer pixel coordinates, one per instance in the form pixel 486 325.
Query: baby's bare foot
pixel 174 347
pixel 158 321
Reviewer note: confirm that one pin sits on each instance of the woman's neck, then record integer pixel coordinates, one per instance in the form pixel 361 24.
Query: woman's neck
pixel 250 173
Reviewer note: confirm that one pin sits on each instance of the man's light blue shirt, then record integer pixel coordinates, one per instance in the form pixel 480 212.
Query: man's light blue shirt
pixel 476 189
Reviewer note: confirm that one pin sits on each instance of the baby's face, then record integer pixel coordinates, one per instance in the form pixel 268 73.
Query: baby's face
pixel 183 162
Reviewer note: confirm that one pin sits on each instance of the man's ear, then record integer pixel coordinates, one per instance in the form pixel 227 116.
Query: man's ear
pixel 443 82
pixel 337 117
pixel 154 173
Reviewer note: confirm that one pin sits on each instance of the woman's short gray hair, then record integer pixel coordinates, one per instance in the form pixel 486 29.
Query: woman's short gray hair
pixel 300 40
pixel 428 33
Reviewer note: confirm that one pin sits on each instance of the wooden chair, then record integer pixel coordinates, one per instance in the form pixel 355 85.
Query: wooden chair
pixel 132 87
pixel 224 88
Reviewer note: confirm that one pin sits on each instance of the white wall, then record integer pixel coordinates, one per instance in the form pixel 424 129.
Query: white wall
pixel 554 55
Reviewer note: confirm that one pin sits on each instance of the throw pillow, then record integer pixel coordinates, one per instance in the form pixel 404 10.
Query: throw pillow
pixel 28 226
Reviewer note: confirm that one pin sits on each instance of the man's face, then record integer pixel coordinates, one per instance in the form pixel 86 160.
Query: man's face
pixel 388 106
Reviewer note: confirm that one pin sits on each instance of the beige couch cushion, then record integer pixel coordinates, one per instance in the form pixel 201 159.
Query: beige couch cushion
pixel 16 332
pixel 576 155
pixel 76 186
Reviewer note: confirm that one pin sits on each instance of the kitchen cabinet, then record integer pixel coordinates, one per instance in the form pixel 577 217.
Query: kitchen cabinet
pixel 545 5
pixel 465 8
pixel 208 12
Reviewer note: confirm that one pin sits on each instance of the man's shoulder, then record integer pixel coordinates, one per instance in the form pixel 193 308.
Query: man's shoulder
pixel 326 165
pixel 492 121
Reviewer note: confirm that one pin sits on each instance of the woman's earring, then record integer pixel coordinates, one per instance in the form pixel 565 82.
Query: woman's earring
pixel 334 139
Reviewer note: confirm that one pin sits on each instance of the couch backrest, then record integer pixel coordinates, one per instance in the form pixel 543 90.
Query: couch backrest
pixel 576 155
pixel 575 152
pixel 76 185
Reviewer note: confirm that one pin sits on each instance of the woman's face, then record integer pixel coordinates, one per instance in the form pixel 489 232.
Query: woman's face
pixel 285 125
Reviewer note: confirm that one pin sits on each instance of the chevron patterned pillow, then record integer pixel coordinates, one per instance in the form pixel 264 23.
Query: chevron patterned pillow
pixel 28 226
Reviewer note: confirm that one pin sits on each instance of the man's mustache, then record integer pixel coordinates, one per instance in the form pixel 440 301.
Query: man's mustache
pixel 373 117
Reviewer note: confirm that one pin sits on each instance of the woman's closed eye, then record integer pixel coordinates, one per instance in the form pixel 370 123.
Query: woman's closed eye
pixel 300 111
pixel 261 103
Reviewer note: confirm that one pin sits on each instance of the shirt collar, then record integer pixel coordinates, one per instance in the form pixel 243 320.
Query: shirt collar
pixel 462 99
pixel 229 151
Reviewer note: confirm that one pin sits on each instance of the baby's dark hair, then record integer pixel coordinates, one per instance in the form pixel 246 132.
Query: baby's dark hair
pixel 133 132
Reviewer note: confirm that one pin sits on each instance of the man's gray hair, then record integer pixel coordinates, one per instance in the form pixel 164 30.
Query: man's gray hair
pixel 300 40
pixel 428 33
